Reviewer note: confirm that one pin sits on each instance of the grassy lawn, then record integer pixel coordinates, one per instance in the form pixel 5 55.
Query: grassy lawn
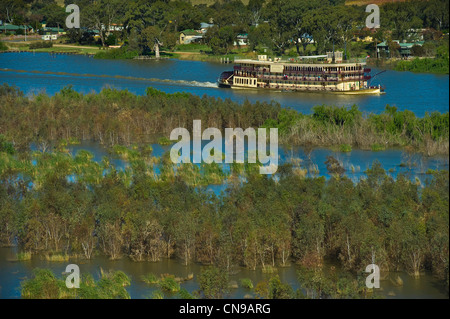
pixel 192 48
pixel 202 52
pixel 60 48
pixel 80 49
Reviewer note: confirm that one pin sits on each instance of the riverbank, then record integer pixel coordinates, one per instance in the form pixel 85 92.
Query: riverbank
pixel 56 48
pixel 330 126
pixel 183 52
pixel 196 54
pixel 199 53
pixel 416 65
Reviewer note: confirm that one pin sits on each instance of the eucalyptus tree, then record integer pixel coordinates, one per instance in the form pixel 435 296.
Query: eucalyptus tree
pixel 213 282
pixel 154 39
pixel 399 19
pixel 50 12
pixel 101 14
pixel 436 12
pixel 153 21
pixel 220 39
pixel 260 36
pixel 324 27
pixel 229 13
pixel 183 15
pixel 9 9
pixel 255 8
pixel 280 32
pixel 349 19
pixel 290 15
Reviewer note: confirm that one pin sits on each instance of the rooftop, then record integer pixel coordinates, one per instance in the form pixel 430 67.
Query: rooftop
pixel 406 45
pixel 205 25
pixel 8 26
pixel 190 32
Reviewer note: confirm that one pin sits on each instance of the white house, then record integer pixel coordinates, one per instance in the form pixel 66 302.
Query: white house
pixel 48 37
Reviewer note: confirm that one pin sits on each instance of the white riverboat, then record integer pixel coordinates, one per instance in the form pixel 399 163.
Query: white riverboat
pixel 331 74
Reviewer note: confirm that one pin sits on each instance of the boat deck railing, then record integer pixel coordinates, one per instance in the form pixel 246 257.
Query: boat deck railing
pixel 299 60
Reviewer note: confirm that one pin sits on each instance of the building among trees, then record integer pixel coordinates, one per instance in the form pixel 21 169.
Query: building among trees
pixel 396 48
pixel 190 36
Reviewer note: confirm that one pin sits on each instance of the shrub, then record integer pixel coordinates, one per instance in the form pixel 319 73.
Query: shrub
pixel 377 147
pixel 12 91
pixel 434 65
pixel 184 294
pixel 111 40
pixel 246 283
pixel 44 285
pixel 3 46
pixel 56 257
pixel 168 284
pixel 150 279
pixel 336 115
pixel 41 45
pixel 279 290
pixel 164 141
pixel 213 282
pixel 157 294
pixel 23 256
pixel 345 148
pixel 121 53
pixel 6 146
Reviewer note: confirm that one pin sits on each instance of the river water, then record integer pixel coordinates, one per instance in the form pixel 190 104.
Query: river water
pixel 12 273
pixel 42 72
pixel 355 163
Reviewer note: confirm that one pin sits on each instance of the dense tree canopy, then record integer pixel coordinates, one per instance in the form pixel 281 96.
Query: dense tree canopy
pixel 274 24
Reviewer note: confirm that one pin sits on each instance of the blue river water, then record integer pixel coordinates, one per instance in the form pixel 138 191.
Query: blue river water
pixel 394 161
pixel 37 72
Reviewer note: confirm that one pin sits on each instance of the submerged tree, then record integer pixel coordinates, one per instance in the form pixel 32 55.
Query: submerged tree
pixel 213 282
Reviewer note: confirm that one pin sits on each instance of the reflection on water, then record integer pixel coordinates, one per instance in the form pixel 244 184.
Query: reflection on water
pixel 355 163
pixel 12 273
pixel 419 93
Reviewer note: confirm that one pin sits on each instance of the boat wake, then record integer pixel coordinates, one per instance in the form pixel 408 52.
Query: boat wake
pixel 188 83
pixel 122 77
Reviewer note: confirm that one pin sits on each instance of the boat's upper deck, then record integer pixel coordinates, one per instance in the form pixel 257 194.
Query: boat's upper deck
pixel 333 60
pixel 297 65
pixel 249 62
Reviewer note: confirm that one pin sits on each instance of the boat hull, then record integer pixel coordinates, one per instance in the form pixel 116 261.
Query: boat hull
pixel 363 91
pixel 223 85
pixel 373 91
